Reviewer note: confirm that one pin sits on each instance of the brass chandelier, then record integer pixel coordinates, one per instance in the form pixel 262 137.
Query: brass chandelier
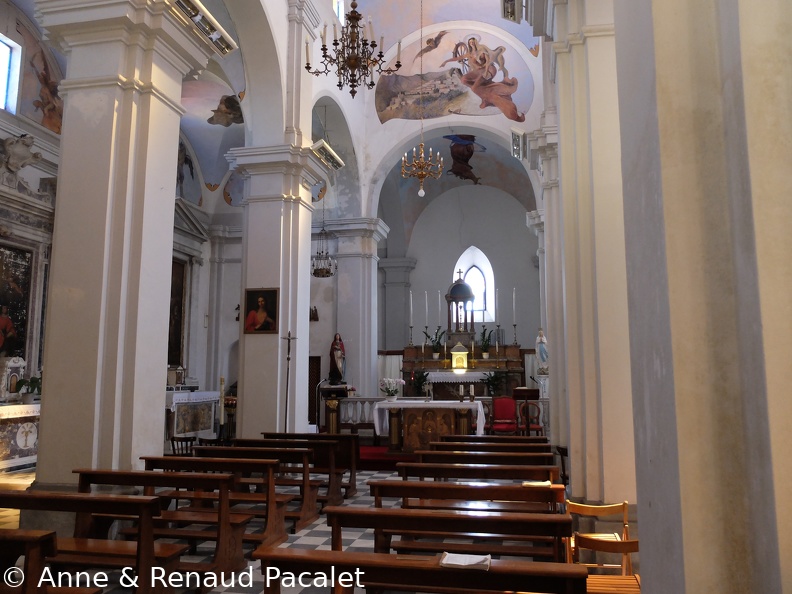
pixel 420 166
pixel 354 59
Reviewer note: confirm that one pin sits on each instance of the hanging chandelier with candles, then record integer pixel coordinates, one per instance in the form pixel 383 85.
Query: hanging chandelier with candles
pixel 421 167
pixel 354 58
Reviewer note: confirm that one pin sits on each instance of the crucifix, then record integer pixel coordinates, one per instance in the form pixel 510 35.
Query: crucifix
pixel 288 338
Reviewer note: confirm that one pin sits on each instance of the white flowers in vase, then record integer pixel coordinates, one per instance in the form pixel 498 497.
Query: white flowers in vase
pixel 390 386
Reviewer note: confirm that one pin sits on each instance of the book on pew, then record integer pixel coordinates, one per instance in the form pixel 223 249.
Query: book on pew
pixel 465 561
pixel 537 483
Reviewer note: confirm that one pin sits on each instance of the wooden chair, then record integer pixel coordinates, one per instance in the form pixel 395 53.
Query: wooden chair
pixel 600 511
pixel 598 583
pixel 182 446
pixel 504 415
pixel 530 418
pixel 209 441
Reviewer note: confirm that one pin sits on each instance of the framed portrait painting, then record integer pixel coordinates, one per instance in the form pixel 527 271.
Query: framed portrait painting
pixel 261 311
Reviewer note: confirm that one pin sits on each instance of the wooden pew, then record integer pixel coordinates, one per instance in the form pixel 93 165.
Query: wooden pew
pixel 275 510
pixel 468 457
pixel 325 456
pixel 348 455
pixel 496 438
pixel 471 496
pixel 299 460
pixel 490 446
pixel 35 546
pixel 227 527
pixel 478 472
pixel 536 535
pixel 411 573
pixel 89 548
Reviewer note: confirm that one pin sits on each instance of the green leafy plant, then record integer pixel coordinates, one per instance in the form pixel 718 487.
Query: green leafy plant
pixel 418 381
pixel 436 340
pixel 485 340
pixel 494 382
pixel 33 384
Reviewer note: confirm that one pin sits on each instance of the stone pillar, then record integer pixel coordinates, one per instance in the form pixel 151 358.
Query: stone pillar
pixel 356 298
pixel 535 221
pixel 706 182
pixel 397 299
pixel 105 351
pixel 276 254
pixel 593 262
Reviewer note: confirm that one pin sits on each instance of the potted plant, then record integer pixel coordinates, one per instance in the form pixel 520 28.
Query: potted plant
pixel 436 340
pixel 33 385
pixel 418 381
pixel 494 382
pixel 485 341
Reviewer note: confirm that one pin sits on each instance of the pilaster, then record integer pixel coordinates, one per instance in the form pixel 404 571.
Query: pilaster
pixel 276 255
pixel 356 297
pixel 113 240
pixel 396 291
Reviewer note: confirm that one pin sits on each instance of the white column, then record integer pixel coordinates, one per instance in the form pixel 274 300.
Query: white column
pixel 594 270
pixel 356 298
pixel 706 179
pixel 397 307
pixel 276 255
pixel 103 402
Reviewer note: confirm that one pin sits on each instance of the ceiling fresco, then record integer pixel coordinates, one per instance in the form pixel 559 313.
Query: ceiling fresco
pixel 465 72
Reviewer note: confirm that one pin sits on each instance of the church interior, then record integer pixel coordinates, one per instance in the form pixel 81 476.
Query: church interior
pixel 218 222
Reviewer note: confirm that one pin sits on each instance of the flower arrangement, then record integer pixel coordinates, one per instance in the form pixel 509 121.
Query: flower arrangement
pixel 390 386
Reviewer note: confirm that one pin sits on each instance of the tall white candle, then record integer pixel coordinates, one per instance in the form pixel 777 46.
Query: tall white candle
pixel 496 306
pixel 307 54
pixel 222 401
pixel 439 310
pixel 398 51
pixel 514 305
pixel 324 34
pixel 426 298
pixel 411 319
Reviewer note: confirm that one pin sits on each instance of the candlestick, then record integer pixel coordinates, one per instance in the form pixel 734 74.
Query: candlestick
pixel 515 333
pixel 411 342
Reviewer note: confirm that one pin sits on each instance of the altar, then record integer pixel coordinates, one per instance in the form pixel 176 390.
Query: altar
pixel 412 424
pixel 191 413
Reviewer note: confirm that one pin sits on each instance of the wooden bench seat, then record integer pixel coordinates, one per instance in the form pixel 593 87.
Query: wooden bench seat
pixel 86 550
pixel 226 528
pixel 471 457
pixel 471 497
pixel 546 531
pixel 326 453
pixel 411 573
pixel 478 472
pixel 274 504
pixel 496 438
pixel 348 454
pixel 613 584
pixel 292 461
pixel 488 446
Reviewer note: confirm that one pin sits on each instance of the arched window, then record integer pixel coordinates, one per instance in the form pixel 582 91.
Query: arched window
pixel 477 272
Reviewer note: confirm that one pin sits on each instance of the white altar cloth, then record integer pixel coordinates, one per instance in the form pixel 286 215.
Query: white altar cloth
pixel 449 377
pixel 381 411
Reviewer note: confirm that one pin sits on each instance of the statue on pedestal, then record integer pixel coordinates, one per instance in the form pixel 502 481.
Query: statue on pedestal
pixel 541 355
pixel 337 360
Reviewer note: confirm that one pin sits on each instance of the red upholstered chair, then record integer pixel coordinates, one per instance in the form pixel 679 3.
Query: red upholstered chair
pixel 504 415
pixel 530 418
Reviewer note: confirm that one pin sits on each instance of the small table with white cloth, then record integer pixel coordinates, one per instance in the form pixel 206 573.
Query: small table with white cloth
pixel 412 424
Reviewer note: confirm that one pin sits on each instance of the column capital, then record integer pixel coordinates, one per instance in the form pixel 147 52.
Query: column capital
pixel 279 170
pixel 366 228
pixel 534 220
pixel 73 24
